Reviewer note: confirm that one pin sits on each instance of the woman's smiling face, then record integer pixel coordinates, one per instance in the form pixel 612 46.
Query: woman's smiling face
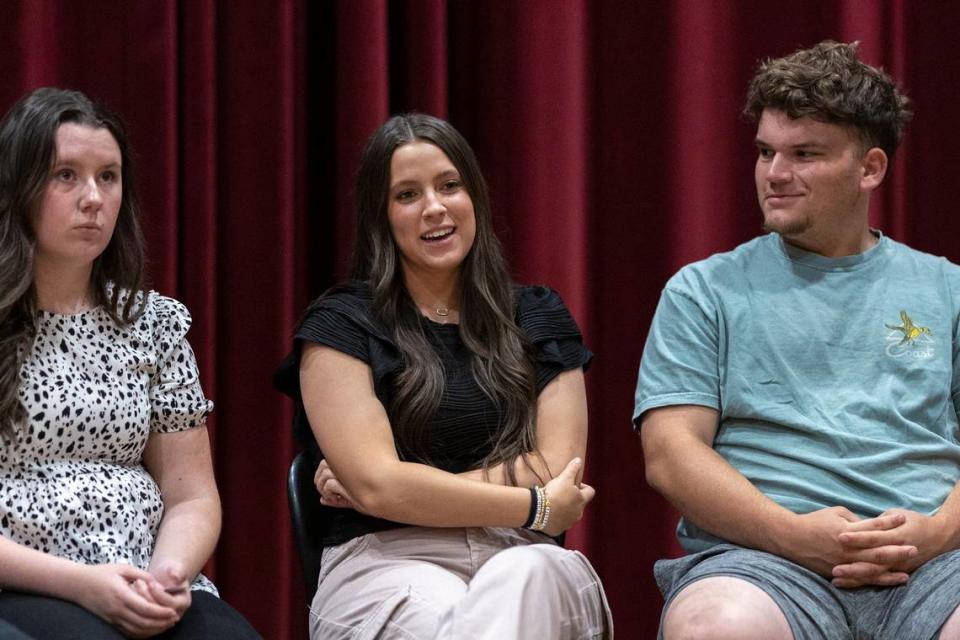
pixel 430 211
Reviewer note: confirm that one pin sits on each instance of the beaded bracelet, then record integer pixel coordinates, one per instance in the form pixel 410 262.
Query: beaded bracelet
pixel 544 516
pixel 546 512
pixel 541 515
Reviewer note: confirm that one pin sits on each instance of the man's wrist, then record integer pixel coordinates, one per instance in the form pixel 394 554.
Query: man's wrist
pixel 946 531
pixel 784 525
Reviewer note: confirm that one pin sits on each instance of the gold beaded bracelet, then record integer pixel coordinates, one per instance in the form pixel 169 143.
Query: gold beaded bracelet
pixel 543 511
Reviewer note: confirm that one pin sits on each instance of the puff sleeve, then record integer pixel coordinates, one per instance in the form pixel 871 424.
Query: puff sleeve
pixel 551 329
pixel 177 401
pixel 341 319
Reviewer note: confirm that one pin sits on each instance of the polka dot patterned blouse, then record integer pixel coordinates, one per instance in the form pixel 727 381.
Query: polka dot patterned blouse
pixel 72 482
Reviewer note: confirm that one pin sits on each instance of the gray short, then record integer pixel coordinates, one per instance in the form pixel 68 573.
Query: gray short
pixel 815 609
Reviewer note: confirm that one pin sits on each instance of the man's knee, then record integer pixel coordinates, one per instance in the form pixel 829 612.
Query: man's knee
pixel 724 608
pixel 951 628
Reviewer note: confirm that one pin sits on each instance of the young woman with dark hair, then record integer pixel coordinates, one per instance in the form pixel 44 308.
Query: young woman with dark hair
pixel 108 506
pixel 449 407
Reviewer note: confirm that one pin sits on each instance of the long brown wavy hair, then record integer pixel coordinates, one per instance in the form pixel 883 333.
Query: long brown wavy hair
pixel 27 152
pixel 501 359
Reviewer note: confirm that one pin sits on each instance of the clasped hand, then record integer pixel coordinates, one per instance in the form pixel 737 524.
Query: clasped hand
pixel 854 552
pixel 140 603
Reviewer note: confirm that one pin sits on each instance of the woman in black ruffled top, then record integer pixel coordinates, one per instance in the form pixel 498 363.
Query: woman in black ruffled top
pixel 450 410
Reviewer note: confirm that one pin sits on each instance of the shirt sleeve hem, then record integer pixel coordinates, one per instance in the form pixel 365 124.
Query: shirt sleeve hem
pixel 673 399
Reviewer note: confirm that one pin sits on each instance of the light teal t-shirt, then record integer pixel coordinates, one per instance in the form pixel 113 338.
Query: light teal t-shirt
pixel 837 380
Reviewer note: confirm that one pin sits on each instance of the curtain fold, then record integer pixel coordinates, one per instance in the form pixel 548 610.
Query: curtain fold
pixel 259 167
pixel 610 133
pixel 362 68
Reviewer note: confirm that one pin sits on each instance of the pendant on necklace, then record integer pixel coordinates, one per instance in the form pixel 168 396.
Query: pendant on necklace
pixel 443 312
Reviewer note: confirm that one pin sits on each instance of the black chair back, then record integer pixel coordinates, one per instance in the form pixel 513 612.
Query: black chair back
pixel 307 519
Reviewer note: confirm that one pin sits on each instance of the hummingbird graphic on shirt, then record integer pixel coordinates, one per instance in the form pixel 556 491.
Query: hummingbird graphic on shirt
pixel 909 330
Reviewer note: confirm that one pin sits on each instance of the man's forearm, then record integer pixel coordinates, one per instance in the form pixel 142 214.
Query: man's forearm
pixel 716 497
pixel 948 520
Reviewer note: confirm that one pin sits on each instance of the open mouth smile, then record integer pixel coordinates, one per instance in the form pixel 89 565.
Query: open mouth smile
pixel 438 234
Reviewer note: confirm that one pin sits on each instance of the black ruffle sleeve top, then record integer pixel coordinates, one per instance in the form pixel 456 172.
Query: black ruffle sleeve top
pixel 465 425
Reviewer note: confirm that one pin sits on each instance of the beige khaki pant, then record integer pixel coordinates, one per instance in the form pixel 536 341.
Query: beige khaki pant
pixel 418 583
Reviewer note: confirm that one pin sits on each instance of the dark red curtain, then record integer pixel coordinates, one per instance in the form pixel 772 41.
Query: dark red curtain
pixel 610 135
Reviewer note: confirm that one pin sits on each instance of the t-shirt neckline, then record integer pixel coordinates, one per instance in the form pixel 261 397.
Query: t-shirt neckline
pixel 823 263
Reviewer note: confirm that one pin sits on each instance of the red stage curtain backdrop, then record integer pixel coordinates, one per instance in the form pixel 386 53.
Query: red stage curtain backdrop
pixel 610 135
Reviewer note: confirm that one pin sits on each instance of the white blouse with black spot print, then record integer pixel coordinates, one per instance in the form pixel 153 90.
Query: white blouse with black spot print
pixel 72 482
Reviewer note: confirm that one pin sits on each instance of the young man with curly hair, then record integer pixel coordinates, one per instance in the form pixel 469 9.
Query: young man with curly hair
pixel 798 396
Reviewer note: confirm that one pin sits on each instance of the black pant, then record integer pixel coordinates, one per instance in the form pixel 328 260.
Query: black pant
pixel 8 632
pixel 45 618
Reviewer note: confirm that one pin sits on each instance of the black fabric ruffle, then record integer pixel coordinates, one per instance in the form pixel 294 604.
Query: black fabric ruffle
pixel 343 319
pixel 545 320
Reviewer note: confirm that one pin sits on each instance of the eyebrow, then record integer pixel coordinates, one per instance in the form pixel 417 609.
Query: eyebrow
pixel 800 145
pixel 450 173
pixel 70 160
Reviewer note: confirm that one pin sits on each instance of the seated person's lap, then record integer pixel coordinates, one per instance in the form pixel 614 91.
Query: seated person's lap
pixel 813 607
pixel 380 580
pixel 408 578
pixel 46 618
pixel 9 632
pixel 210 617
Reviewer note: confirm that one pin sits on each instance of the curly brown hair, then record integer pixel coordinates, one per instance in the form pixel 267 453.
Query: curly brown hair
pixel 827 82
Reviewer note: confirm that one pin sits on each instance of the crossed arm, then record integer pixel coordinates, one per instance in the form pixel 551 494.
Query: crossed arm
pixel 354 432
pixel 682 465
